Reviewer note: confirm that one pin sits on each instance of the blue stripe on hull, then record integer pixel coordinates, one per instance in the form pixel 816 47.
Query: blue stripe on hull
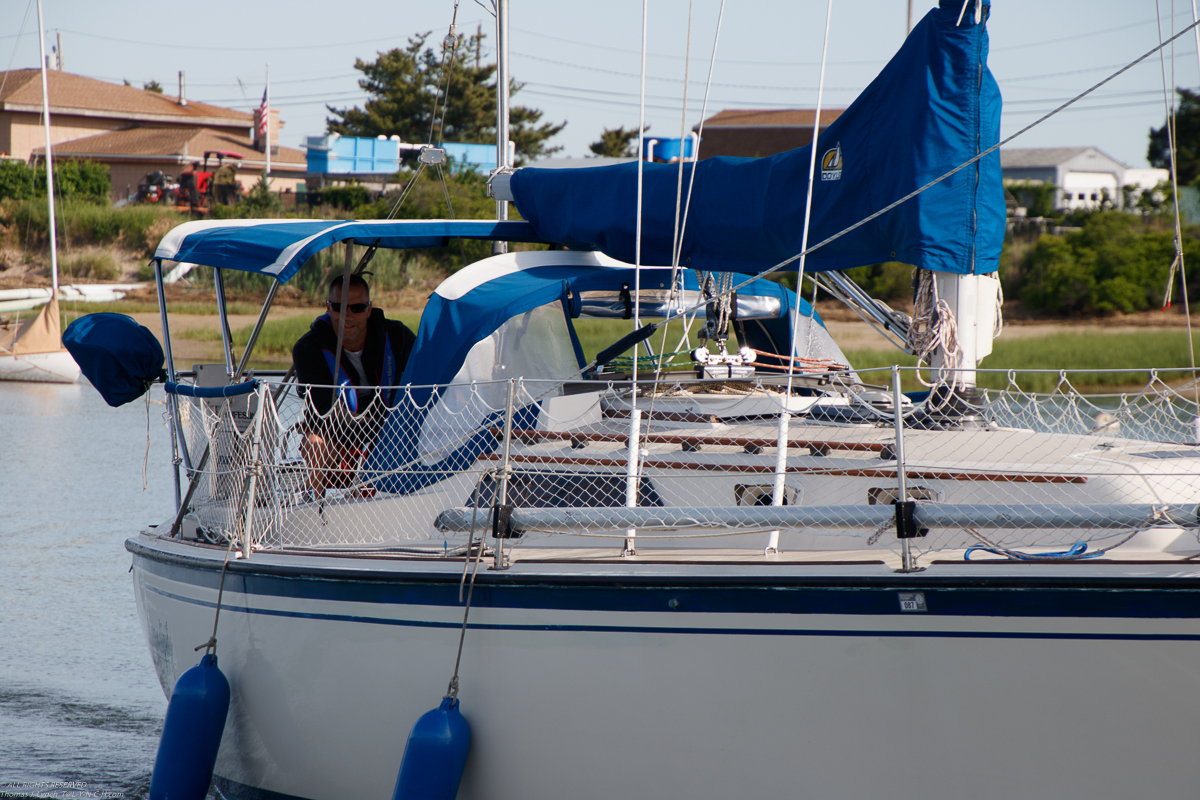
pixel 872 595
pixel 706 631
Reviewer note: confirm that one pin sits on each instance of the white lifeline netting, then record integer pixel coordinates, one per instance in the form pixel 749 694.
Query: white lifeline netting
pixel 1019 473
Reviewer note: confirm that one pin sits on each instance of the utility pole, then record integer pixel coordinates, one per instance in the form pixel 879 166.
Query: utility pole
pixel 478 44
pixel 267 109
pixel 58 50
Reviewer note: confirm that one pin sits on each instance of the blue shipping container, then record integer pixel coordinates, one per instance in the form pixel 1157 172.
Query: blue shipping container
pixel 349 154
pixel 479 156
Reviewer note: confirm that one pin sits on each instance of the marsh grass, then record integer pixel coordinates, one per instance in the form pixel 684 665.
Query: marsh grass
pixel 277 336
pixel 134 227
pixel 1088 355
pixel 191 308
pixel 98 266
pixel 1059 351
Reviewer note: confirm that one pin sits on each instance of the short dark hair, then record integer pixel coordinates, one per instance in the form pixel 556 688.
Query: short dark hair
pixel 355 280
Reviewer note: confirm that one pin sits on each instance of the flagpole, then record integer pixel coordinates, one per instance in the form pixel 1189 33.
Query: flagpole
pixel 268 112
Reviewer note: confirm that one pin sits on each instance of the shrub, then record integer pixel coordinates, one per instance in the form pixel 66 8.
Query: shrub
pixel 72 179
pixel 891 281
pixel 1036 196
pixel 260 200
pixel 17 180
pixel 346 197
pixel 1116 262
pixel 100 266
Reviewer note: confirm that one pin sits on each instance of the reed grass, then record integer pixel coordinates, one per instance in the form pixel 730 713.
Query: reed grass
pixel 134 227
pixel 1089 359
pixel 188 308
pixel 277 336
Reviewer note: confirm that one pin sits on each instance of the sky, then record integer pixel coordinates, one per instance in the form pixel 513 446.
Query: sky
pixel 580 62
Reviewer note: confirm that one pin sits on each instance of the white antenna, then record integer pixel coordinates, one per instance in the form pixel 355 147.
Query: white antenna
pixel 49 159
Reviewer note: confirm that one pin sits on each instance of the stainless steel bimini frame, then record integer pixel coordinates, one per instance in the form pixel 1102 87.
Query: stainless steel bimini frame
pixel 180 453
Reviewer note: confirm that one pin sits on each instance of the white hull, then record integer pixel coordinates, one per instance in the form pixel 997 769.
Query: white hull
pixel 771 680
pixel 54 367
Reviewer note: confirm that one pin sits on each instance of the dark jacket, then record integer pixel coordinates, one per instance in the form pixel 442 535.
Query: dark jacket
pixel 312 367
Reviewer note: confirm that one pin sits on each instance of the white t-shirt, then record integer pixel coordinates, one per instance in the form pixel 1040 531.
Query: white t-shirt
pixel 355 357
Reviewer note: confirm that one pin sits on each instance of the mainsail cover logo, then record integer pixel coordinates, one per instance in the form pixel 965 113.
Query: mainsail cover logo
pixel 831 164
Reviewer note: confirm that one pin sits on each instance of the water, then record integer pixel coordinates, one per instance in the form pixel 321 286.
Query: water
pixel 79 699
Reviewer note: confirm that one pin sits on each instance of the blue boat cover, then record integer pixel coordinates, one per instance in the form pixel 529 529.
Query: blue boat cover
pixel 281 247
pixel 932 108
pixel 452 325
pixel 120 357
pixel 473 304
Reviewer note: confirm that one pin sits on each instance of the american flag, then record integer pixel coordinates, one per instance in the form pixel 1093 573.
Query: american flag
pixel 263 111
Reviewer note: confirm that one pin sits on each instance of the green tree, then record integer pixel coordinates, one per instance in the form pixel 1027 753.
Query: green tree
pixel 1187 139
pixel 616 143
pixel 404 84
pixel 260 199
pixel 1036 196
pixel 892 281
pixel 1116 262
pixel 153 86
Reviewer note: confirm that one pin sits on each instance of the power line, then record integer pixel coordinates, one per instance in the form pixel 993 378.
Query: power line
pixel 1079 36
pixel 1078 71
pixel 680 80
pixel 247 49
pixel 1027 111
pixel 704 59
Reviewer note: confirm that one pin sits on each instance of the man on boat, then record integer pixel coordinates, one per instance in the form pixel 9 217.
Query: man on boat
pixel 341 424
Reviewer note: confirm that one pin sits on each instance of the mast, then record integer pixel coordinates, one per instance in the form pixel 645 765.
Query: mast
pixel 502 159
pixel 49 160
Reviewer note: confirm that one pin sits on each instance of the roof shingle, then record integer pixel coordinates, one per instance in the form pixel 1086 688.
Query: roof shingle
pixel 76 93
pixel 169 142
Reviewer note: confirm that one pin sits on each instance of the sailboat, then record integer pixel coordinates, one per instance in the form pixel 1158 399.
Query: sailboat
pixel 33 350
pixel 654 586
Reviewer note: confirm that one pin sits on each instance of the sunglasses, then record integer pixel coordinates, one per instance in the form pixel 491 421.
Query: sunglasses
pixel 353 308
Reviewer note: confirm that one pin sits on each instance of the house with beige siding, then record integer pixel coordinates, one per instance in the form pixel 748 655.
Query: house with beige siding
pixel 134 131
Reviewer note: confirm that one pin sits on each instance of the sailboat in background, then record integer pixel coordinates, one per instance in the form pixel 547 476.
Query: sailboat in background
pixel 33 351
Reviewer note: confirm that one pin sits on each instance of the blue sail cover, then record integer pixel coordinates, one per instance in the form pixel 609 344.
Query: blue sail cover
pixel 933 107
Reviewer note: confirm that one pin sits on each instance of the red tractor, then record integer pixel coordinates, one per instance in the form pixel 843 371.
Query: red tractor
pixel 200 187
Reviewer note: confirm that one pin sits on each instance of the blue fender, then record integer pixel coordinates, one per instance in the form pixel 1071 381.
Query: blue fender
pixel 191 734
pixel 435 756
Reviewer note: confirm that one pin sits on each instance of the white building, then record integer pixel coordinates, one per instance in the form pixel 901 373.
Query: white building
pixel 1085 176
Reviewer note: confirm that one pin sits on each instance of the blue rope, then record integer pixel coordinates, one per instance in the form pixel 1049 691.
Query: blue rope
pixel 1076 551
